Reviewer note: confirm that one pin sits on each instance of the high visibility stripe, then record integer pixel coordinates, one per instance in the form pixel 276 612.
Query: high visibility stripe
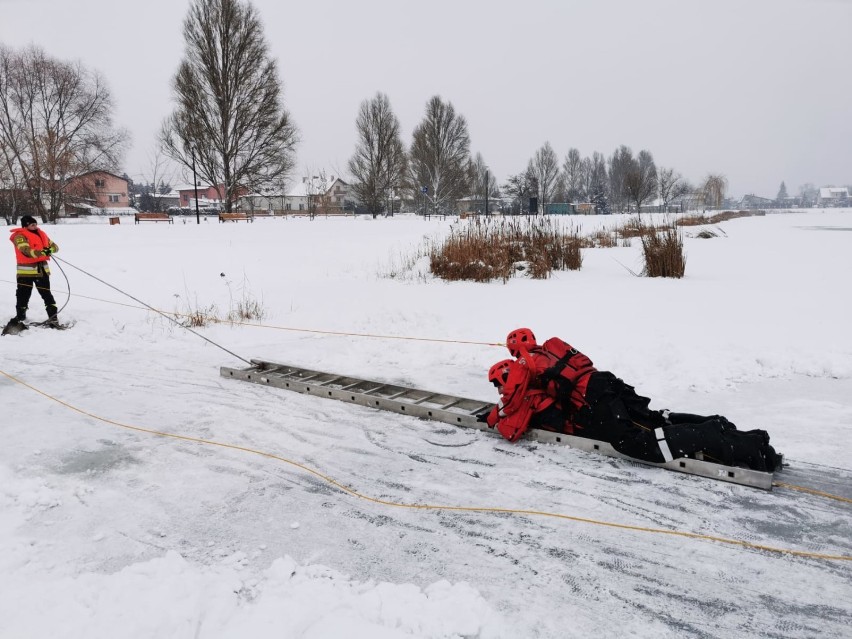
pixel 32 270
pixel 663 444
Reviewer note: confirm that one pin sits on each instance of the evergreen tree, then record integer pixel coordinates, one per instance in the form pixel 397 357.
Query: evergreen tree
pixel 598 198
pixel 781 198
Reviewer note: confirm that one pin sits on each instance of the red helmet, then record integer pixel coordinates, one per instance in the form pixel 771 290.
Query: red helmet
pixel 498 373
pixel 520 337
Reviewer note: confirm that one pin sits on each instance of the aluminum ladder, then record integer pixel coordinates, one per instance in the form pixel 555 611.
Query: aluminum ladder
pixel 458 411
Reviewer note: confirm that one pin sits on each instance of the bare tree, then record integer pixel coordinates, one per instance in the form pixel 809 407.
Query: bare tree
pixel 544 166
pixel 809 194
pixel 671 186
pixel 229 120
pixel 620 163
pixel 158 180
pixel 379 164
pixel 55 124
pixel 520 188
pixel 640 181
pixel 573 172
pixel 13 197
pixel 440 155
pixel 713 190
pixel 317 185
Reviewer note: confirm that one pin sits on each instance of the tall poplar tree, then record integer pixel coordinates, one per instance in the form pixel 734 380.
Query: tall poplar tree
pixel 229 122
pixel 379 162
pixel 440 155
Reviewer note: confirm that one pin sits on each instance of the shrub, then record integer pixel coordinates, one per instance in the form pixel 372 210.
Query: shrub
pixel 663 253
pixel 490 249
pixel 247 307
pixel 198 316
pixel 701 219
pixel 602 238
pixel 634 228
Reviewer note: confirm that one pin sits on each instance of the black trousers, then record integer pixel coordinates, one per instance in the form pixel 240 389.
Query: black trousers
pixel 618 415
pixel 25 290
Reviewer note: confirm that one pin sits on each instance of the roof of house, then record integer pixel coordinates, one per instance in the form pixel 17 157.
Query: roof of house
pixel 833 191
pixel 190 187
pixel 100 171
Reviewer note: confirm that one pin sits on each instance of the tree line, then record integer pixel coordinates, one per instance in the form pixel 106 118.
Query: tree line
pixel 439 169
pixel 230 127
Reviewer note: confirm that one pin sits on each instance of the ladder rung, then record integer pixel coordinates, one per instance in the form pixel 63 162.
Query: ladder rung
pixel 423 399
pixel 373 390
pixel 452 403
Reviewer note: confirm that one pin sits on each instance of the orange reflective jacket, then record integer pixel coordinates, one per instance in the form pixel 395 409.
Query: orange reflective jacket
pixel 26 244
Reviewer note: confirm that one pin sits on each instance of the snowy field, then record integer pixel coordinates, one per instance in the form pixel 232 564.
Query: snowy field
pixel 107 532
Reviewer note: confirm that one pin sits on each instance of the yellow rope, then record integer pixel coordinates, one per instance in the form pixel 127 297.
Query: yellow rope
pixel 479 509
pixel 811 491
pixel 216 320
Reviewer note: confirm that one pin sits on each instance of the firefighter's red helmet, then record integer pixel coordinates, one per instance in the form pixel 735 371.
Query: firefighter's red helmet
pixel 520 337
pixel 498 373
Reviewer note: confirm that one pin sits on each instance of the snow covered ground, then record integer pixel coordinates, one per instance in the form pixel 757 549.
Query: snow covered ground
pixel 110 532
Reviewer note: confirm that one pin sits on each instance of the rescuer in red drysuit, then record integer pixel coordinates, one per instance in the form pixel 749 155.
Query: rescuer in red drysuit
pixel 555 387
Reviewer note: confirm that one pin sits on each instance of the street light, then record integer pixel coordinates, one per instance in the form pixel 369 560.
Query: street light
pixel 195 187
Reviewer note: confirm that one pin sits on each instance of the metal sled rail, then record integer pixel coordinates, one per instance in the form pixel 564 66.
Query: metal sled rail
pixel 458 411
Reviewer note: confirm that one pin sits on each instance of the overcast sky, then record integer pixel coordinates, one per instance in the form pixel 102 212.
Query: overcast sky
pixel 760 90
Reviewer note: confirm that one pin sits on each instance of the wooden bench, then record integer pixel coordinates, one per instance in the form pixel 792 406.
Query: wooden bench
pixel 235 217
pixel 261 213
pixel 152 217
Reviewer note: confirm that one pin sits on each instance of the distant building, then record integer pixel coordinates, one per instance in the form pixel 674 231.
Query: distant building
pixel 326 194
pixel 834 196
pixel 98 193
pixel 209 197
pixel 789 202
pixel 752 201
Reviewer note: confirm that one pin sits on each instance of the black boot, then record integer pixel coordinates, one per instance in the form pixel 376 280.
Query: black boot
pixel 52 319
pixel 13 327
pixel 752 450
pixel 20 313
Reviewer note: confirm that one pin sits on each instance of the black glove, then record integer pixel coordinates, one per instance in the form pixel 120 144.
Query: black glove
pixel 483 416
pixel 46 251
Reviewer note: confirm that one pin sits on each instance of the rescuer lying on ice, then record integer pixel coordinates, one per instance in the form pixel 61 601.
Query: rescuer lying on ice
pixel 555 387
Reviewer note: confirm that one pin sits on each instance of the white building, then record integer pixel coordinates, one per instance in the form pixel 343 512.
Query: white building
pixel 324 193
pixel 834 196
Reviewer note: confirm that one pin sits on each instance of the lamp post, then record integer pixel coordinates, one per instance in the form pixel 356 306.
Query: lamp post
pixel 195 187
pixel 486 193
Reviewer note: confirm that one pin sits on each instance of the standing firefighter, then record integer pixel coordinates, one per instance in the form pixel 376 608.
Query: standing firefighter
pixel 33 249
pixel 555 387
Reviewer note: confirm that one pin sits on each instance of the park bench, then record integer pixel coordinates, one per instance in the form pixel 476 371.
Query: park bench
pixel 235 217
pixel 152 217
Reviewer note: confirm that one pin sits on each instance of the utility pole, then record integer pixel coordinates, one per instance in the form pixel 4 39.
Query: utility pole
pixel 195 187
pixel 486 192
